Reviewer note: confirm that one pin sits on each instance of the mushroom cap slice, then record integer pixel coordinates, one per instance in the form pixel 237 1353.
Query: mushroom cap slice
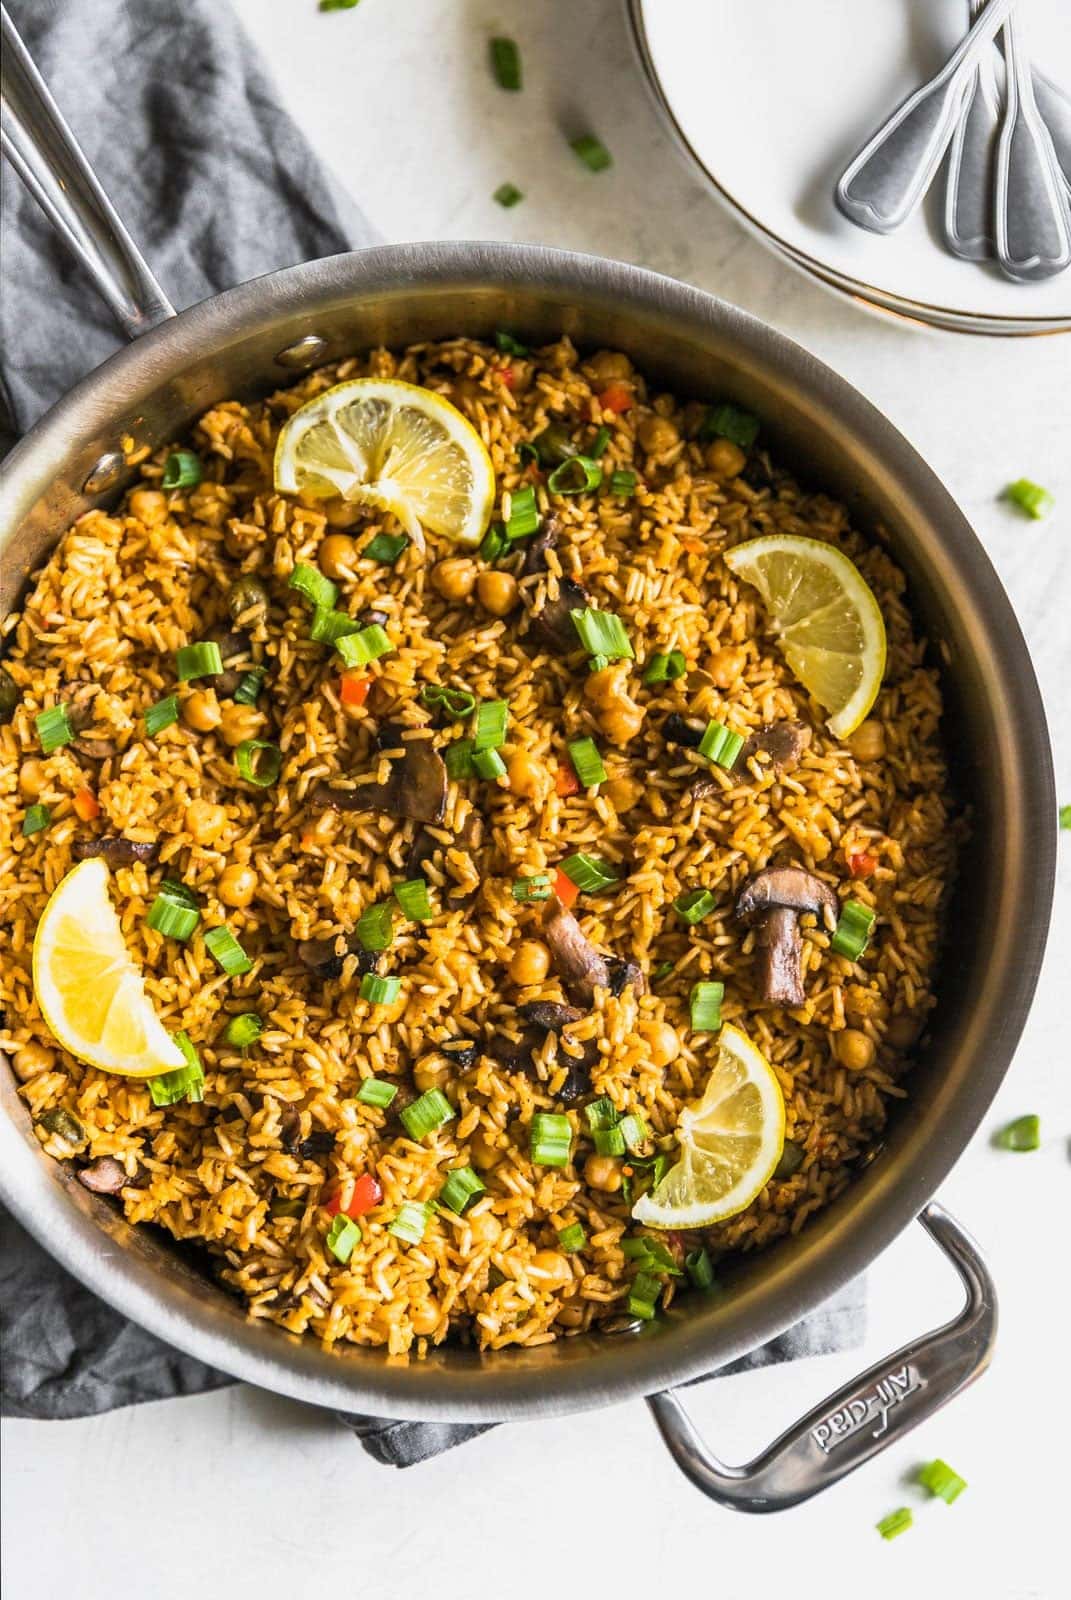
pixel 789 888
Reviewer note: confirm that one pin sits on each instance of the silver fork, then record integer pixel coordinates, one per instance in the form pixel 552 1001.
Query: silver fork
pixel 972 159
pixel 1031 210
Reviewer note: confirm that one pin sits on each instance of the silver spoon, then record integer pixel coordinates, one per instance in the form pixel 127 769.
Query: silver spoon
pixel 882 185
pixel 1032 217
pixel 968 211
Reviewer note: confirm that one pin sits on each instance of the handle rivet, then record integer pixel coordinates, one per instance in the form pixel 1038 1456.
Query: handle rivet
pixel 303 353
pixel 105 472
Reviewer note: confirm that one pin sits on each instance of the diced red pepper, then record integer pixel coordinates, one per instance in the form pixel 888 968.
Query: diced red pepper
pixel 86 805
pixel 354 1196
pixel 566 781
pixel 565 888
pixel 616 397
pixel 355 687
pixel 861 864
pixel 508 376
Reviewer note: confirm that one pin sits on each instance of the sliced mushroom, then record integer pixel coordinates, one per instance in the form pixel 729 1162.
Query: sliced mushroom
pixel 416 787
pixel 578 964
pixel 773 901
pixel 551 625
pixel 118 852
pixel 683 731
pixel 784 743
pixel 325 957
pixel 104 1176
pixel 234 647
pixel 549 1015
pixel 540 1018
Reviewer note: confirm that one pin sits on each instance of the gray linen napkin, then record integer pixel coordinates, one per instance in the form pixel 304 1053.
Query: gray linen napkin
pixel 216 185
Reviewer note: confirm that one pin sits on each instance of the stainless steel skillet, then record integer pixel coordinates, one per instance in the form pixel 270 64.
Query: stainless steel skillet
pixel 246 341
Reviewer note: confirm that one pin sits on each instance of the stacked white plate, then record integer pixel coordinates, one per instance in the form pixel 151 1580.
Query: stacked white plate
pixel 771 98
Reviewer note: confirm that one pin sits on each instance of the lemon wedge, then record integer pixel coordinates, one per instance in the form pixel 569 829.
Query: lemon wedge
pixel 90 992
pixel 393 445
pixel 825 617
pixel 730 1142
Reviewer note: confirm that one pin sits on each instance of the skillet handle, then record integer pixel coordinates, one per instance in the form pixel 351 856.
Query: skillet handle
pixel 863 1417
pixel 45 154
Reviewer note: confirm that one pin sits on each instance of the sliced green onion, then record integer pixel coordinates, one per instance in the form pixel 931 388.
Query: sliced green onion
pixel 523 514
pixel 488 764
pixel 358 649
pixel 1022 1134
pixel 584 754
pixel 705 1006
pixel 1030 497
pixel 173 915
pixel 700 1268
pixel 729 422
pixel 310 582
pixel 182 470
pixel 227 952
pixel 458 758
pixel 34 819
pixel 53 728
pixel 342 1237
pixel 602 633
pixel 592 152
pixel 589 873
pixel 895 1523
pixel 791 1160
pixel 385 548
pixel 601 1113
pixel 537 887
pixel 259 762
pixel 938 1477
pixel 457 703
pixel 329 626
pixel 1065 816
pixel 184 1083
pixel 489 729
pixel 654 1256
pixel 244 1030
pixel 509 345
pixel 508 194
pixel 596 663
pixel 249 686
pixel 666 668
pixel 284 1205
pixel 177 891
pixel 663 970
pixel 577 475
pixel 553 445
pixel 375 927
pixel 634 1132
pixel 695 905
pixel 550 1139
pixel 201 660
pixel 609 1141
pixel 411 1223
pixel 461 1188
pixel 623 483
pixel 852 933
pixel 427 1114
pixel 643 1295
pixel 377 1092
pixel 600 443
pixel 338 5
pixel 494 542
pixel 380 991
pixel 506 63
pixel 412 896
pixel 162 715
pixel 719 745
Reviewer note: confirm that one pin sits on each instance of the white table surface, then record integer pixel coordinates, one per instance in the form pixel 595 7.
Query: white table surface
pixel 243 1494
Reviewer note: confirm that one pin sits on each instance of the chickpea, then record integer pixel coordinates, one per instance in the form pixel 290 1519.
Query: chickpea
pixel 30 1059
pixel 657 434
pixel 550 1269
pixel 726 665
pixel 623 794
pixel 237 885
pixel 454 578
pixel 498 592
pixel 337 556
pixel 247 597
pixel 432 1072
pixel 662 1041
pixel 725 459
pixel 608 366
pixel 904 1028
pixel 572 1314
pixel 33 779
pixel 425 1319
pixel 485 1156
pixel 200 711
pixel 238 722
pixel 867 743
pixel 205 821
pixel 341 513
pixel 854 1049
pixel 526 776
pixel 605 688
pixel 486 1228
pixel 530 964
pixel 149 506
pixel 602 1172
pixel 619 717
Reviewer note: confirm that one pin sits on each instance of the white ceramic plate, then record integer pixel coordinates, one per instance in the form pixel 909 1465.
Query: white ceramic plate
pixel 773 98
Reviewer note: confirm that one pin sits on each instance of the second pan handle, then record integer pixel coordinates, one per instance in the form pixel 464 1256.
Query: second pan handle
pixel 47 157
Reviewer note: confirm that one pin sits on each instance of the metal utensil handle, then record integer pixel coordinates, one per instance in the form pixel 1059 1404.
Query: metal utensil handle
pixel 47 157
pixel 865 1416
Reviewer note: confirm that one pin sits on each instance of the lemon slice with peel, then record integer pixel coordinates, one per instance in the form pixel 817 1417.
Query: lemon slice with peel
pixel 730 1142
pixel 90 992
pixel 393 445
pixel 825 617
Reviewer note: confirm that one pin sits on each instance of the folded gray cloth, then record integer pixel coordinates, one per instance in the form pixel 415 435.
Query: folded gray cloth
pixel 216 185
